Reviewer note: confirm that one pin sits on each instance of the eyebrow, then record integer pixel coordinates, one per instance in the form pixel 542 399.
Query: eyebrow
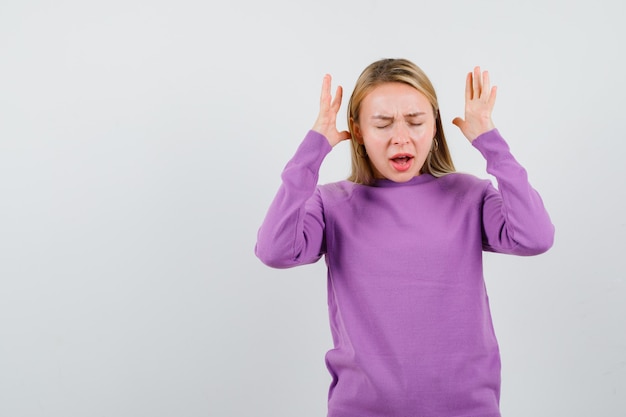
pixel 408 115
pixel 415 114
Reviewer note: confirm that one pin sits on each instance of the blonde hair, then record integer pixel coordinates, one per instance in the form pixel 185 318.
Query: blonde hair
pixel 439 161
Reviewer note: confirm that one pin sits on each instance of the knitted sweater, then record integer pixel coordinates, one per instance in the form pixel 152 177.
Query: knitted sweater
pixel 408 308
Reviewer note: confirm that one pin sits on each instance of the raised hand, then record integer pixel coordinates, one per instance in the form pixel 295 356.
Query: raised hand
pixel 480 98
pixel 326 122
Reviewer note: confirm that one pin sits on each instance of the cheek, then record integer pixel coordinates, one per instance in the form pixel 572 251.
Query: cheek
pixel 428 133
pixel 371 132
pixel 374 138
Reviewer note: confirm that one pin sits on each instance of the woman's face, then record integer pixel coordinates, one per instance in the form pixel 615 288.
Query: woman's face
pixel 397 126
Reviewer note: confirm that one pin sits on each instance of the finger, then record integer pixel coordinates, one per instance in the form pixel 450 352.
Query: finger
pixel 336 104
pixel 457 121
pixel 476 82
pixel 486 87
pixel 468 87
pixel 492 97
pixel 325 95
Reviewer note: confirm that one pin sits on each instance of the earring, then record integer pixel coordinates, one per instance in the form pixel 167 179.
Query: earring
pixel 435 144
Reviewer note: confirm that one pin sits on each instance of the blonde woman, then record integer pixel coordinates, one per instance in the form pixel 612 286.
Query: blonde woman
pixel 403 239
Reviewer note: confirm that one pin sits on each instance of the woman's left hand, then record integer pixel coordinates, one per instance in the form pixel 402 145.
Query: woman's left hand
pixel 480 98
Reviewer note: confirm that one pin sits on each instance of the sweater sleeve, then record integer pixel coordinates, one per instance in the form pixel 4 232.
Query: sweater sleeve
pixel 515 220
pixel 292 232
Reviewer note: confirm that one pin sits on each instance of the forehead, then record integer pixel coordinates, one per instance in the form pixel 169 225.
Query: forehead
pixel 393 97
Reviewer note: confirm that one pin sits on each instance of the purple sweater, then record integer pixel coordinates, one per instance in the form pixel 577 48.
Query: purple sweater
pixel 408 308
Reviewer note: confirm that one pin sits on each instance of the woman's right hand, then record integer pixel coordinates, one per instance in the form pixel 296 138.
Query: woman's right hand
pixel 326 122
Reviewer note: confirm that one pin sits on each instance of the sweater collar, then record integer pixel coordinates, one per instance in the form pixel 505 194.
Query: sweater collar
pixel 419 179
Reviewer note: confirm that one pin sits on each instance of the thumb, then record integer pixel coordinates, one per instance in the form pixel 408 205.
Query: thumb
pixel 335 139
pixel 458 122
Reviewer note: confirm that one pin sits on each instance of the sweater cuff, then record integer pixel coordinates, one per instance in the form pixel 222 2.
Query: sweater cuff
pixel 314 147
pixel 310 154
pixel 491 145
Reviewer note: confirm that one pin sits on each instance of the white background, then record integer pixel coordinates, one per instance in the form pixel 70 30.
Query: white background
pixel 141 143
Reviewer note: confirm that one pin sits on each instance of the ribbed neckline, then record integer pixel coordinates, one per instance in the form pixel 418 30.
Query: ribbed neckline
pixel 419 179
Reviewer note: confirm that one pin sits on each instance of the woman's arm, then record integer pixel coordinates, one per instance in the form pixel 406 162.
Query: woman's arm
pixel 293 230
pixel 514 218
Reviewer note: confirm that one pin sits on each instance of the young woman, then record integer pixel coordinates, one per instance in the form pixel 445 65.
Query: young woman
pixel 403 239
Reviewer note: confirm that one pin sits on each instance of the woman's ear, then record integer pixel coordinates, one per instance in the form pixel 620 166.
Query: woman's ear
pixel 356 129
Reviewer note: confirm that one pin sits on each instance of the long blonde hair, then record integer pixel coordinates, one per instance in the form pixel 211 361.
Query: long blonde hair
pixel 439 161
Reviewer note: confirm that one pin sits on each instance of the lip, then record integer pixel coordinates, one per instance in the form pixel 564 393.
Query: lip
pixel 401 162
pixel 401 155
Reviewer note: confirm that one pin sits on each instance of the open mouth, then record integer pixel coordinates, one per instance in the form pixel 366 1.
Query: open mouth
pixel 401 162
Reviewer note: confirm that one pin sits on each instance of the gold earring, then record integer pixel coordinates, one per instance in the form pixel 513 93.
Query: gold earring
pixel 435 144
pixel 361 151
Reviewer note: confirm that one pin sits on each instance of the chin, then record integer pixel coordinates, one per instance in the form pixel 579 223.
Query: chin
pixel 403 177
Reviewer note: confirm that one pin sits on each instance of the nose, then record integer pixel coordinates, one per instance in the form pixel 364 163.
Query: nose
pixel 400 134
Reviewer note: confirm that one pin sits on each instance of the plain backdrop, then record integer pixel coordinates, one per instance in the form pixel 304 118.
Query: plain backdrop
pixel 141 143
